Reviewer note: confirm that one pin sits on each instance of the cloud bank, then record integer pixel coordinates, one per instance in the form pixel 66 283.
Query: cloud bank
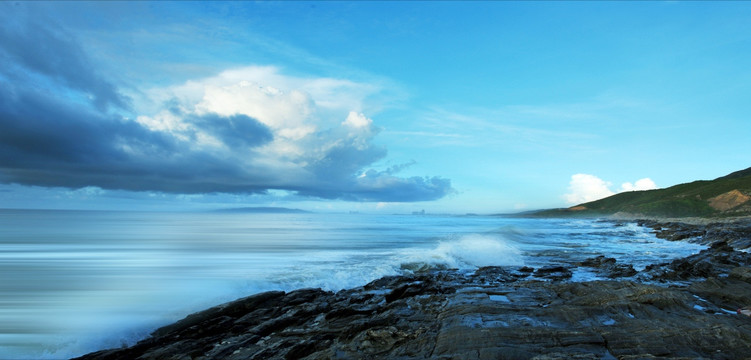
pixel 246 130
pixel 585 188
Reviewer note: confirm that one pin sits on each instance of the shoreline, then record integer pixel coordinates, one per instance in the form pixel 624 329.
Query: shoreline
pixel 684 308
pixel 703 221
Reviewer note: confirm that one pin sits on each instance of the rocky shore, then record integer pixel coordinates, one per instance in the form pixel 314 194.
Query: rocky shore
pixel 690 308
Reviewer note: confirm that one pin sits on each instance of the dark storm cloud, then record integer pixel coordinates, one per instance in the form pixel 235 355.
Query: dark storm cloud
pixel 52 136
pixel 382 186
pixel 405 189
pixel 345 159
pixel 37 130
pixel 341 163
pixel 31 46
pixel 235 130
pixel 44 142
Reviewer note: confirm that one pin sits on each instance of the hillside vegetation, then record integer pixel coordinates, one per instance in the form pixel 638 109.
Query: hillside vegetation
pixel 725 196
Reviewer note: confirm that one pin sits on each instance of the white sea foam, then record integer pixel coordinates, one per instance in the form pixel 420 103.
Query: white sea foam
pixel 469 252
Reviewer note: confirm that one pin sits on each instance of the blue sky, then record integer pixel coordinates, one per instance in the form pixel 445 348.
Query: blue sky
pixel 370 106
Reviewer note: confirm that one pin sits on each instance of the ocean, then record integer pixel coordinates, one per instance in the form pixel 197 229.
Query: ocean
pixel 72 282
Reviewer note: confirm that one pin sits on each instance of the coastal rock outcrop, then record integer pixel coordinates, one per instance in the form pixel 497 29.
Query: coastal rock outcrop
pixel 466 317
pixel 736 233
pixel 717 261
pixel 608 267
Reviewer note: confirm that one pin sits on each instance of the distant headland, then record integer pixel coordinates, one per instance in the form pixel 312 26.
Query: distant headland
pixel 262 210
pixel 724 197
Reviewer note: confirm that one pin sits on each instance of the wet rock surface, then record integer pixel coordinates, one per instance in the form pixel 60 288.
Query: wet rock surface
pixel 736 233
pixel 685 309
pixel 608 267
pixel 717 261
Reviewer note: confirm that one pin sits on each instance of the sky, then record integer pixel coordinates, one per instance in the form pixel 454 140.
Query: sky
pixel 448 107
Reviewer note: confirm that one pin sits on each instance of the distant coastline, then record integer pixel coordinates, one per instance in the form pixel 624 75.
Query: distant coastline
pixel 262 210
pixel 727 197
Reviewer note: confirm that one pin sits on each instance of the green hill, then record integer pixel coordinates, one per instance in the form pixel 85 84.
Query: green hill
pixel 725 196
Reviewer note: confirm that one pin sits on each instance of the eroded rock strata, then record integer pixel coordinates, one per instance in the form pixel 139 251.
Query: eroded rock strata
pixel 684 309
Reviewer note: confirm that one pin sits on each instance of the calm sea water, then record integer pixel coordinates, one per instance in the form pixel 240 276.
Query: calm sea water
pixel 73 282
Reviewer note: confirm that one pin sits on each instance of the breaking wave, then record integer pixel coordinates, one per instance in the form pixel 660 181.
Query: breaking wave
pixel 467 252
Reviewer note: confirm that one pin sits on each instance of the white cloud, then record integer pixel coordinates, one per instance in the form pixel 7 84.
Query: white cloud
pixel 585 188
pixel 357 120
pixel 301 114
pixel 86 192
pixel 641 184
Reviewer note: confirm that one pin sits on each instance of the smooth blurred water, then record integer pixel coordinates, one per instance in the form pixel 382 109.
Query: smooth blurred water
pixel 73 282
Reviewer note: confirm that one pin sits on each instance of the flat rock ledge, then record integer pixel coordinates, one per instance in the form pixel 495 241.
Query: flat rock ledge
pixel 684 309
